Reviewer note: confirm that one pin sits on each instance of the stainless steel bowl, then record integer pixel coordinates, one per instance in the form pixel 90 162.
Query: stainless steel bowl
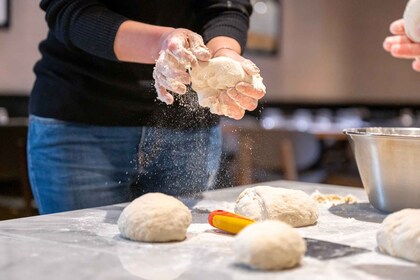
pixel 388 160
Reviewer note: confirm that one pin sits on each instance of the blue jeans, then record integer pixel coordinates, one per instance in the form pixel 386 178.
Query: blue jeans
pixel 73 166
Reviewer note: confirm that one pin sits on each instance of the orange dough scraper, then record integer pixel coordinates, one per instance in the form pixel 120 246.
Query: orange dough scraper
pixel 229 222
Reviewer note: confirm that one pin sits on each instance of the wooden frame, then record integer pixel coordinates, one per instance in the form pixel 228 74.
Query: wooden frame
pixel 265 27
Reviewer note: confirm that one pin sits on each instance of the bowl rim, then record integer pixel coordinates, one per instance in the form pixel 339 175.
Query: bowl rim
pixel 363 131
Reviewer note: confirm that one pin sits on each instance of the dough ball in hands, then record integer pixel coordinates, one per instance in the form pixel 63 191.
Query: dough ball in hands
pixel 215 81
pixel 218 73
pixel 294 207
pixel 269 245
pixel 412 20
pixel 155 217
pixel 399 235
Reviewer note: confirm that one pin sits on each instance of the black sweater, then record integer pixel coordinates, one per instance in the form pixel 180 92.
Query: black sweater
pixel 79 79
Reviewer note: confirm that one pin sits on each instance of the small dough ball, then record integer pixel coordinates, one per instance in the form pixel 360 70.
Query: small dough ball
pixel 399 235
pixel 155 217
pixel 412 20
pixel 269 245
pixel 294 207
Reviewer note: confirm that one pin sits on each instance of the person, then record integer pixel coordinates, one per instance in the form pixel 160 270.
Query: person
pixel 98 135
pixel 400 46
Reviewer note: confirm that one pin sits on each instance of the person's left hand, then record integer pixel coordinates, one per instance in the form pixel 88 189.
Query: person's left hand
pixel 401 46
pixel 180 49
pixel 244 96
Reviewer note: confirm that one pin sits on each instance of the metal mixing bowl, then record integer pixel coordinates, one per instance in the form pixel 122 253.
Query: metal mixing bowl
pixel 388 160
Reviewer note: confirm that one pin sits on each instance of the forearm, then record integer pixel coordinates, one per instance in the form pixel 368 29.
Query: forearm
pixel 83 25
pixel 218 18
pixel 139 42
pixel 222 44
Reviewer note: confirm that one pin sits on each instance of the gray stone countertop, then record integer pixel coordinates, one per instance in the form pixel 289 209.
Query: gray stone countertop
pixel 86 244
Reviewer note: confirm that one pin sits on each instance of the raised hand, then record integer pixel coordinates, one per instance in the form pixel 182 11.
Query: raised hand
pixel 181 49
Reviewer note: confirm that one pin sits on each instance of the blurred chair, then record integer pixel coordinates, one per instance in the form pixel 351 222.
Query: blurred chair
pixel 13 134
pixel 13 164
pixel 286 154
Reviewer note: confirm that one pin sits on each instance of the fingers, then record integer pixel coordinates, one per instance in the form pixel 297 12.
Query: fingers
pixel 187 47
pixel 416 64
pixel 393 40
pixel 168 83
pixel 169 67
pixel 249 90
pixel 177 46
pixel 408 51
pixel 197 47
pixel 397 27
pixel 183 56
pixel 176 74
pixel 169 74
pixel 249 67
pixel 162 93
pixel 242 100
pixel 230 108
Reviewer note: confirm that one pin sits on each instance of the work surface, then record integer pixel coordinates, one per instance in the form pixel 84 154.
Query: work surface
pixel 86 244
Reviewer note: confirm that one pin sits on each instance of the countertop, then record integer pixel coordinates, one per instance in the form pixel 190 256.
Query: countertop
pixel 86 244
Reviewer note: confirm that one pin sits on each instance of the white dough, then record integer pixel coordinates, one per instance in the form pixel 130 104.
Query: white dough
pixel 155 217
pixel 412 20
pixel 220 73
pixel 399 235
pixel 269 245
pixel 294 207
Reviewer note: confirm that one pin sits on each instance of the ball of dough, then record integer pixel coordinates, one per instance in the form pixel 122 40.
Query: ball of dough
pixel 219 73
pixel 155 217
pixel 399 235
pixel 211 77
pixel 269 245
pixel 412 20
pixel 294 207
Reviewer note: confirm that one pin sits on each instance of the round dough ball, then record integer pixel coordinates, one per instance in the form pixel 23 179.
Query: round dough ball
pixel 412 20
pixel 399 235
pixel 294 207
pixel 155 217
pixel 269 245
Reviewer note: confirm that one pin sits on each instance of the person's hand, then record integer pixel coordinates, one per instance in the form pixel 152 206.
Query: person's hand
pixel 244 96
pixel 401 46
pixel 181 49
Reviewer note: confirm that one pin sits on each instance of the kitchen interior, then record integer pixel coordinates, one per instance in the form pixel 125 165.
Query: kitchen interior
pixel 325 70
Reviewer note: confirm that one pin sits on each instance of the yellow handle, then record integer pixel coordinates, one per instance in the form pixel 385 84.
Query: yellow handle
pixel 229 222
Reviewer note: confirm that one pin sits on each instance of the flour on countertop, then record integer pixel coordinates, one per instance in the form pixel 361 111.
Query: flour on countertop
pixel 328 200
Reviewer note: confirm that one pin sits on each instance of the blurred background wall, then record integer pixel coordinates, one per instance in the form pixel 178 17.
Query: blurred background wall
pixel 331 51
pixel 19 46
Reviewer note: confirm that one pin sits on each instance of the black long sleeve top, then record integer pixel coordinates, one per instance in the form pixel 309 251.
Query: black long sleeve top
pixel 79 79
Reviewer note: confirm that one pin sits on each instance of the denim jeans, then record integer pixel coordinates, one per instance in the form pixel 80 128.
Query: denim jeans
pixel 73 166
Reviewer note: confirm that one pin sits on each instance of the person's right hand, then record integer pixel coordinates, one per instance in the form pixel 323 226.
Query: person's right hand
pixel 181 49
pixel 401 46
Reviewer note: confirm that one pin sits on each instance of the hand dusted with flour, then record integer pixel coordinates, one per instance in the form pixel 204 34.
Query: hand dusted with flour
pixel 181 50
